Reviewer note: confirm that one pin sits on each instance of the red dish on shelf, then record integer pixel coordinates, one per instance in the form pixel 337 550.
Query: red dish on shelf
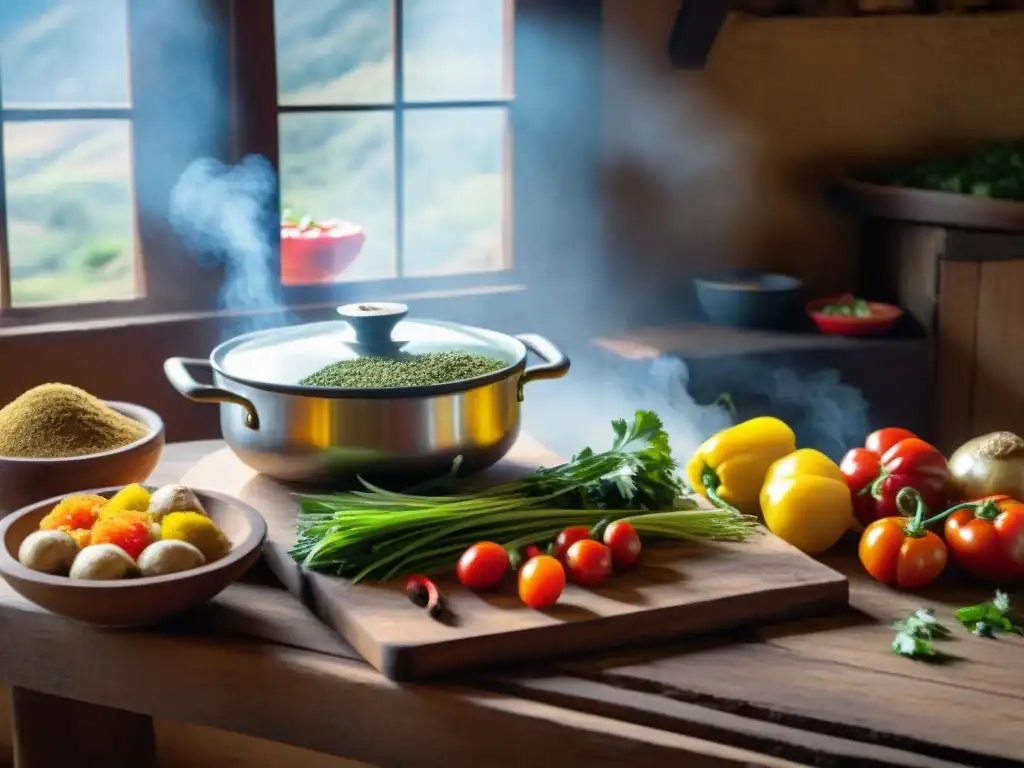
pixel 318 254
pixel 883 317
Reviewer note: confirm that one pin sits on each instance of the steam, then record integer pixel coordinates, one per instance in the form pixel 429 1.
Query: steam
pixel 224 212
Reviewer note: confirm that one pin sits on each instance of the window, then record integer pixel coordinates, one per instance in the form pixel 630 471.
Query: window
pixel 394 121
pixel 66 146
pixel 397 125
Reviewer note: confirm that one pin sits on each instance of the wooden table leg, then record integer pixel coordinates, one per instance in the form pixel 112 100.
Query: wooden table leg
pixel 53 732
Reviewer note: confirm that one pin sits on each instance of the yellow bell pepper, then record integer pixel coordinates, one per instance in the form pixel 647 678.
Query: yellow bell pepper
pixel 806 502
pixel 729 468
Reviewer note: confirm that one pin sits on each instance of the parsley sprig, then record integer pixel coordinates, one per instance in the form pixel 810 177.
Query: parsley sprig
pixel 916 634
pixel 988 618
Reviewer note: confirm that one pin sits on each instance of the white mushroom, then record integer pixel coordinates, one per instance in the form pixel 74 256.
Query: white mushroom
pixel 48 552
pixel 169 556
pixel 173 498
pixel 102 562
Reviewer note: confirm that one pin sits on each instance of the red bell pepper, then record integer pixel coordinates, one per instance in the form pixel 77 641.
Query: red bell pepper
pixel 862 466
pixel 986 538
pixel 891 460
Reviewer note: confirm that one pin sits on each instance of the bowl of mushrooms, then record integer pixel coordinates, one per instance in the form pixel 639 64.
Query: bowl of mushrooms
pixel 128 556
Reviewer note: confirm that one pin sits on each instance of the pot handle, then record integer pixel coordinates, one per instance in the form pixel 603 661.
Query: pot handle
pixel 555 365
pixel 176 370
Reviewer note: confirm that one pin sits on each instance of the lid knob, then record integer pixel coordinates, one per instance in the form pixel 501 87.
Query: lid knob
pixel 373 323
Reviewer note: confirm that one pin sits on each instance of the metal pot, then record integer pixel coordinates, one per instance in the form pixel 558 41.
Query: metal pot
pixel 326 436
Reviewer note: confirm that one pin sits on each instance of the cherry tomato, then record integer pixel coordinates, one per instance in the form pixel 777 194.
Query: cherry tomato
pixel 881 440
pixel 567 538
pixel 589 562
pixel 541 581
pixel 900 560
pixel 621 538
pixel 987 541
pixel 482 566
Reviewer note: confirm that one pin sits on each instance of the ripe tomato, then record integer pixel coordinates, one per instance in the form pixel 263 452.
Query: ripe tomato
pixel 881 440
pixel 589 562
pixel 895 558
pixel 568 537
pixel 987 541
pixel 621 538
pixel 482 566
pixel 541 581
pixel 860 468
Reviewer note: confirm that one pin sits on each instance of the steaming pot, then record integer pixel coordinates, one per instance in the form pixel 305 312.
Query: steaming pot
pixel 327 436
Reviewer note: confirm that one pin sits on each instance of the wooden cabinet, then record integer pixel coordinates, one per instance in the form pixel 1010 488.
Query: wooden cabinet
pixel 966 288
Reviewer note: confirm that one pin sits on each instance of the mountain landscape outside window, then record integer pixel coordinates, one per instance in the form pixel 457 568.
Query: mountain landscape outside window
pixel 393 136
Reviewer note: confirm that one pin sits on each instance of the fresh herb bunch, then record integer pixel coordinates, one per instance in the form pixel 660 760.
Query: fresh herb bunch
pixel 379 534
pixel 988 618
pixel 995 171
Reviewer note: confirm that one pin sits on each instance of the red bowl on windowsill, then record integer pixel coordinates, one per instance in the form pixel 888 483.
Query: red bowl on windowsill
pixel 883 317
pixel 318 254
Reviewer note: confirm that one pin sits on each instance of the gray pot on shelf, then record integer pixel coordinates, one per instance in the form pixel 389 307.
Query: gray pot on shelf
pixel 328 436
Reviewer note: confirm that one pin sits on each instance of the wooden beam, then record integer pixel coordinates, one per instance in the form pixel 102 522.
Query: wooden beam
pixel 693 35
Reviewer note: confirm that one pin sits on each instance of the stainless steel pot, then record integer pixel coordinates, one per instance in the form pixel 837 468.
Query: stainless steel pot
pixel 326 436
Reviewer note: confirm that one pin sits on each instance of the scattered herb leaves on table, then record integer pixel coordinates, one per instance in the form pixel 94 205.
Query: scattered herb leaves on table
pixel 986 619
pixel 377 534
pixel 915 636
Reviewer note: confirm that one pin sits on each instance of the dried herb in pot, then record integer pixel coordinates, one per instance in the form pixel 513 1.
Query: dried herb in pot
pixel 404 370
pixel 55 421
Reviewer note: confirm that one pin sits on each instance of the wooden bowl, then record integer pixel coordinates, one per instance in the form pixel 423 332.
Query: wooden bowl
pixel 140 601
pixel 23 481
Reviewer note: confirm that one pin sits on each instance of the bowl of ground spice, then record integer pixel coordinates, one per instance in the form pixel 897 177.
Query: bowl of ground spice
pixel 56 438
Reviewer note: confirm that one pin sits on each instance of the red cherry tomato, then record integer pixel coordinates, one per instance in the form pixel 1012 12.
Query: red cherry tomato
pixel 621 538
pixel 881 440
pixel 567 538
pixel 482 566
pixel 589 562
pixel 541 581
pixel 987 541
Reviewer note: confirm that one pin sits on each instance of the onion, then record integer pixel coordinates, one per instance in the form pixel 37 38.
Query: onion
pixel 989 465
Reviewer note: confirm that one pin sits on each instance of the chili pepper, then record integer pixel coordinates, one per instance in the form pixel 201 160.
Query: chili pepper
pixel 900 551
pixel 730 467
pixel 424 593
pixel 805 501
pixel 986 538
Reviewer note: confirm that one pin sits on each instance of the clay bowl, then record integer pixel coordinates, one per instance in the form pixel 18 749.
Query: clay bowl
pixel 23 481
pixel 133 602
pixel 883 317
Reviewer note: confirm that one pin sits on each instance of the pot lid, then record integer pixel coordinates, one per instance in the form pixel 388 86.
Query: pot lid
pixel 283 357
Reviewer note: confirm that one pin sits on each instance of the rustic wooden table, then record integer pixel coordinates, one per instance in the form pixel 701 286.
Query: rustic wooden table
pixel 816 692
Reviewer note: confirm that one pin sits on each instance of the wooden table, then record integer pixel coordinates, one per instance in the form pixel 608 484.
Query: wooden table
pixel 822 692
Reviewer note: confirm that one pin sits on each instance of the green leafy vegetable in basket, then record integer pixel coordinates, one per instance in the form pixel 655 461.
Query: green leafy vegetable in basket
pixel 995 171
pixel 376 534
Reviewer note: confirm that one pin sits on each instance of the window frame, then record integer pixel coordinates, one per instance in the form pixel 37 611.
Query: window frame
pixel 175 283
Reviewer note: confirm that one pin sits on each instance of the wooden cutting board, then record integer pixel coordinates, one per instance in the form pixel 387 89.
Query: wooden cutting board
pixel 678 590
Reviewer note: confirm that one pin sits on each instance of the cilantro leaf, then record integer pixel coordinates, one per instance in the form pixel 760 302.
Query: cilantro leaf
pixel 986 619
pixel 914 636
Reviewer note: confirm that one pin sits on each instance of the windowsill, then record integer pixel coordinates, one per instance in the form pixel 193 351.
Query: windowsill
pixel 416 301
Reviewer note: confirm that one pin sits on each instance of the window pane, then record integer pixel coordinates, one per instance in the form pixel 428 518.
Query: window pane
pixel 64 53
pixel 334 51
pixel 340 167
pixel 455 190
pixel 71 219
pixel 456 50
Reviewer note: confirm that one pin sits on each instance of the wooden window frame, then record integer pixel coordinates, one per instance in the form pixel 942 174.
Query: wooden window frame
pixel 551 172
